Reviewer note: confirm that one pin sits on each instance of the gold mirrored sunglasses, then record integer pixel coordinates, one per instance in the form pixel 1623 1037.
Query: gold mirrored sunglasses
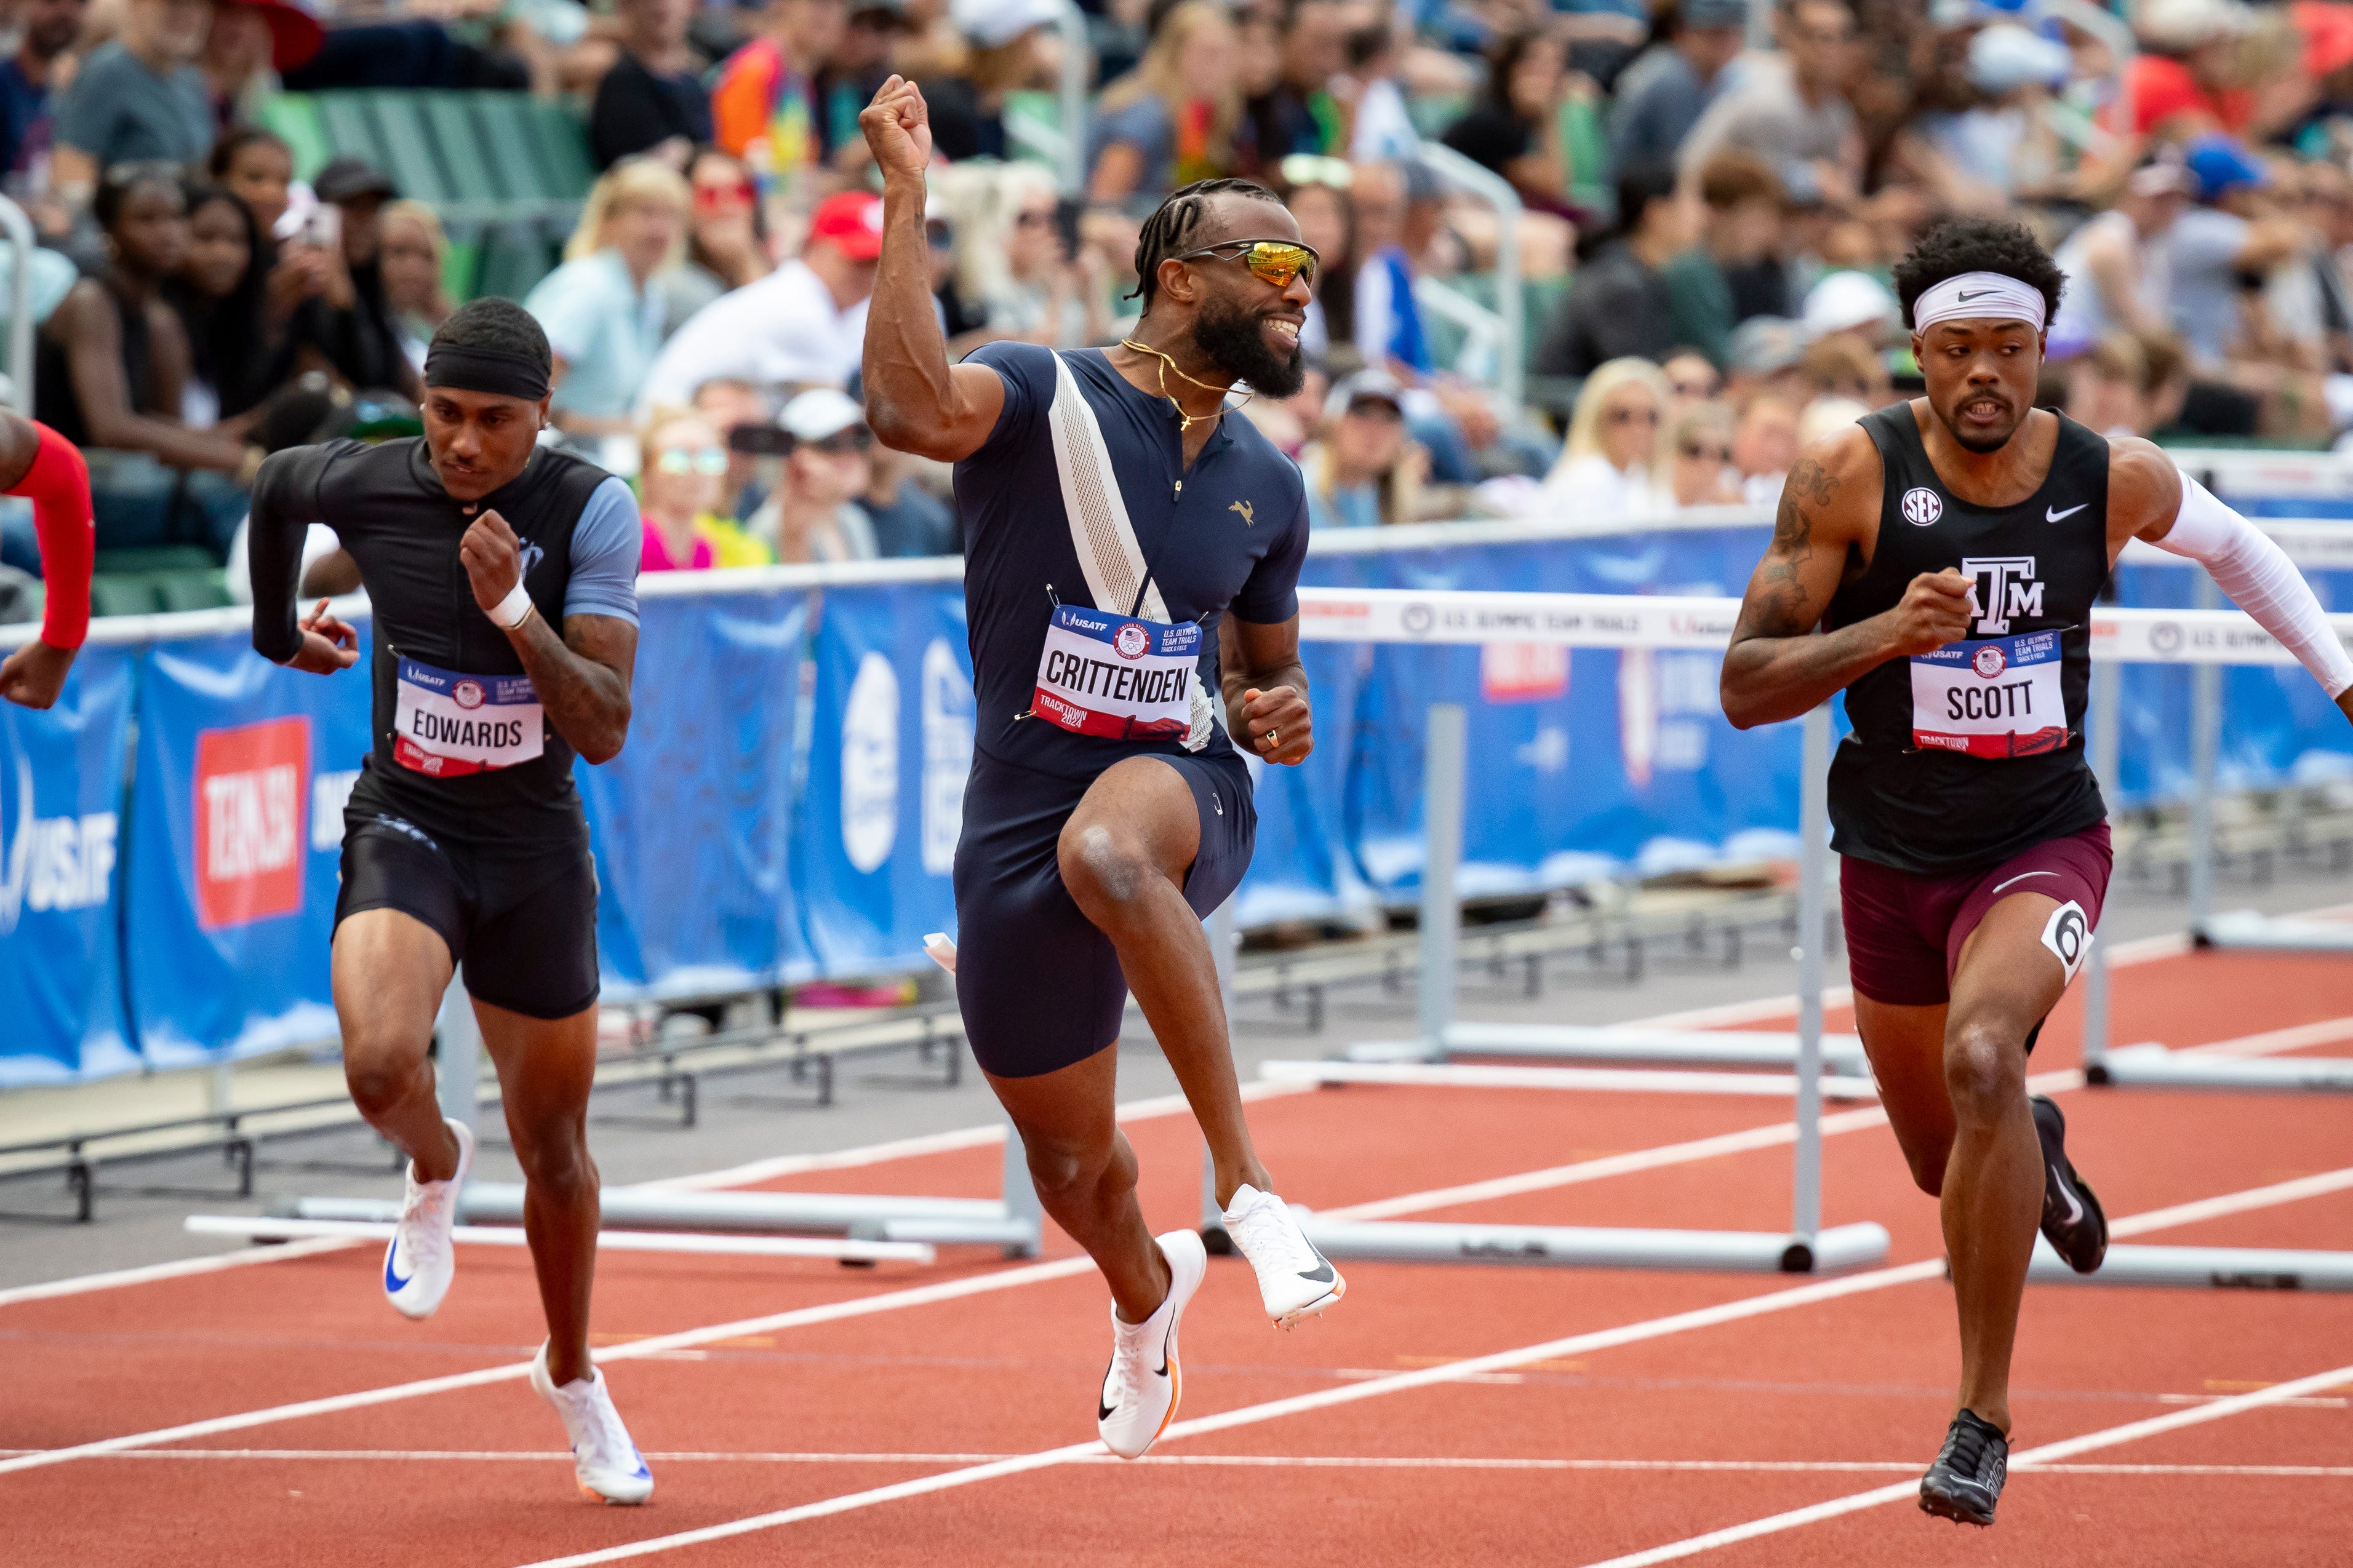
pixel 1276 260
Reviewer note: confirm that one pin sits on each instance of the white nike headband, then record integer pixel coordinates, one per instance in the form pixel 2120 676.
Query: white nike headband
pixel 1978 296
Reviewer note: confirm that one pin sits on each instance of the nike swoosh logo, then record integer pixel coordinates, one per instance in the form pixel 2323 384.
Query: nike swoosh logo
pixel 2021 877
pixel 1103 1412
pixel 393 1283
pixel 2075 1208
pixel 1164 1346
pixel 2050 516
pixel 1321 1273
pixel 1980 294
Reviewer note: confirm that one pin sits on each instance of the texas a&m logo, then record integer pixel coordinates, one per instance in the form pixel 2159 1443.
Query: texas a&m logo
pixel 251 784
pixel 2001 586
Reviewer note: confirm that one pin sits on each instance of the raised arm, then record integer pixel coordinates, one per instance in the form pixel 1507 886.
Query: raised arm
pixel 915 401
pixel 1777 668
pixel 2150 498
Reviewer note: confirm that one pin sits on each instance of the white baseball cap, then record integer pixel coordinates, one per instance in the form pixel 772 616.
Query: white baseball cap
pixel 821 412
pixel 1846 300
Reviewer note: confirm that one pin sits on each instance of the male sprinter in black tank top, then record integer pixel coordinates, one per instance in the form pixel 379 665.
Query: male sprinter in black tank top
pixel 1950 549
pixel 1107 812
pixel 464 838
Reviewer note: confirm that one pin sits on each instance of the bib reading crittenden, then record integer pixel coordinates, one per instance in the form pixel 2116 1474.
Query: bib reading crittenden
pixel 1117 676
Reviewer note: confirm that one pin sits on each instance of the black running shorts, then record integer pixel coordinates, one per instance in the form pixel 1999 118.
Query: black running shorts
pixel 1040 986
pixel 524 924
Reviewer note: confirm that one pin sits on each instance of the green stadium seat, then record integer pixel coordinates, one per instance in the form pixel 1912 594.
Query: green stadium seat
pixel 156 558
pixel 515 257
pixel 408 154
pixel 115 595
pixel 295 117
pixel 473 175
pixel 205 590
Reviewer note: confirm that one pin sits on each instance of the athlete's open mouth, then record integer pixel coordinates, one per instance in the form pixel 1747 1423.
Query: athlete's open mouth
pixel 1984 410
pixel 1283 332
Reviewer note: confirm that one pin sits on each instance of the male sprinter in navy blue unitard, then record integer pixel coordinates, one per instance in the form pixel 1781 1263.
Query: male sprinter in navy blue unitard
pixel 464 838
pixel 1131 550
pixel 1950 549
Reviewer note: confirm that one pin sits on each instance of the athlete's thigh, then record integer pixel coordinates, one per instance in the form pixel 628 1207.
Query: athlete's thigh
pixel 2008 978
pixel 1142 808
pixel 545 1067
pixel 1068 1115
pixel 389 969
pixel 1906 1047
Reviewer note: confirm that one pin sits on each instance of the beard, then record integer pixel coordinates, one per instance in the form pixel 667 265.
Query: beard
pixel 1234 341
pixel 1981 442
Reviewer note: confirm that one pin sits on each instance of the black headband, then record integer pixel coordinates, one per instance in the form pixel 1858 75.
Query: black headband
pixel 485 370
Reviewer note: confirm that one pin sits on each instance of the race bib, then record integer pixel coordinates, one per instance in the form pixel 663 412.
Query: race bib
pixel 446 724
pixel 1118 677
pixel 1995 697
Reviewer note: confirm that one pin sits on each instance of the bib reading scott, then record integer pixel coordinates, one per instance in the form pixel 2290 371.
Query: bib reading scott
pixel 1133 553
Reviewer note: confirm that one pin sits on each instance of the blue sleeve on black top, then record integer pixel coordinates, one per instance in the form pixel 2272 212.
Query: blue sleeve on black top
pixel 606 544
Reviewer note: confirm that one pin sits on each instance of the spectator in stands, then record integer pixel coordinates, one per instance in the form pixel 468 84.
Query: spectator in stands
pixel 861 64
pixel 47 29
pixel 1793 111
pixel 682 481
pixel 1604 473
pixel 109 363
pixel 249 43
pixel 1662 94
pixel 2104 385
pixel 1764 445
pixel 1512 128
pixel 1171 121
pixel 1364 471
pixel 1849 304
pixel 1825 417
pixel 814 515
pixel 804 322
pixel 1767 351
pixel 1690 375
pixel 1619 303
pixel 2116 261
pixel 348 329
pixel 1379 124
pixel 727 405
pixel 1843 365
pixel 1732 273
pixel 1292 116
pixel 727 238
pixel 1698 446
pixel 968 105
pixel 218 290
pixel 416 263
pixel 602 314
pixel 1388 323
pixel 257 168
pixel 763 101
pixel 137 98
pixel 1316 190
pixel 2232 233
pixel 907 518
pixel 2187 80
pixel 1010 264
pixel 653 100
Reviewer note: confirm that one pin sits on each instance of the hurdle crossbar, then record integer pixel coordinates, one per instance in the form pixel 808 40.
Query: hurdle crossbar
pixel 1619 1044
pixel 253 1228
pixel 2202 1267
pixel 1627 1080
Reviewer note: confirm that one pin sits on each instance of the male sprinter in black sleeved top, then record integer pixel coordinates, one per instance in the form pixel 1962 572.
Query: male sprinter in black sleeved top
pixel 464 839
pixel 1951 548
pixel 1132 555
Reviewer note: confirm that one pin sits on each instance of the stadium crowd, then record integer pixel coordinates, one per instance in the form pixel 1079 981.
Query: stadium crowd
pixel 1711 195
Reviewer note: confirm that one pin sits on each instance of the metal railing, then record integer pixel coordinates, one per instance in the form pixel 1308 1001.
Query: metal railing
pixel 1505 326
pixel 19 229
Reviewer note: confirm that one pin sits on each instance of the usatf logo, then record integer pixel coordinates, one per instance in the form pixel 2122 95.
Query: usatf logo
pixel 2001 586
pixel 1991 661
pixel 1131 640
pixel 251 785
pixel 52 862
pixel 1921 506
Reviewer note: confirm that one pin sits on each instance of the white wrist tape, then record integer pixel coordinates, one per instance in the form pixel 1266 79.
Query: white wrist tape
pixel 514 609
pixel 2261 580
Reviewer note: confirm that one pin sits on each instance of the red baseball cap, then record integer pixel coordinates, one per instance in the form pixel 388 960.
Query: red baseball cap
pixel 852 222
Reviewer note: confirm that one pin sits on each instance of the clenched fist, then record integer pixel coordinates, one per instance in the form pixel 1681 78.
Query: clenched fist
pixel 898 126
pixel 1277 724
pixel 1934 610
pixel 493 558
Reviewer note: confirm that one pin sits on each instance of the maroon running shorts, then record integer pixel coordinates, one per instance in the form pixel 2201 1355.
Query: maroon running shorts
pixel 1904 932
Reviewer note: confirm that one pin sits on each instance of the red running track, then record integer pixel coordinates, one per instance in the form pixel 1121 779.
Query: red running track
pixel 1677 1406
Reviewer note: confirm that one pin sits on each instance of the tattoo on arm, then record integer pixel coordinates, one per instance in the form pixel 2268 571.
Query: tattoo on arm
pixel 583 677
pixel 1784 605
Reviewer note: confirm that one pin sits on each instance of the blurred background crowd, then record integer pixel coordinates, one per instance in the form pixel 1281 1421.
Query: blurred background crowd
pixel 1583 260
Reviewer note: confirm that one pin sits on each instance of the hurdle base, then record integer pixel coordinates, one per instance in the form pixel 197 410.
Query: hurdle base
pixel 2203 1268
pixel 2250 931
pixel 1626 1080
pixel 960 1222
pixel 1619 1044
pixel 1833 1251
pixel 2154 1067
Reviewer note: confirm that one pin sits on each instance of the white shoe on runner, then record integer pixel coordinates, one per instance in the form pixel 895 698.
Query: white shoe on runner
pixel 604 1459
pixel 1294 1280
pixel 1144 1382
pixel 419 1261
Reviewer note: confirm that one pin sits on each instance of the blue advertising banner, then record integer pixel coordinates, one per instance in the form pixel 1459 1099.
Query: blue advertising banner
pixel 235 847
pixel 690 823
pixel 61 783
pixel 890 746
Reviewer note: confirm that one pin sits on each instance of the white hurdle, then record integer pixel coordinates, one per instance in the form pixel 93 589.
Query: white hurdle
pixel 1586 620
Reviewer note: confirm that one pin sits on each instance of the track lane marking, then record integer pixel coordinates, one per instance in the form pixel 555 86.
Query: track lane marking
pixel 2032 1459
pixel 1759 1305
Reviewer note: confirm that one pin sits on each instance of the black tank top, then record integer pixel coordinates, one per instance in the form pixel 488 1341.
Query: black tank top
pixel 56 405
pixel 388 509
pixel 1953 765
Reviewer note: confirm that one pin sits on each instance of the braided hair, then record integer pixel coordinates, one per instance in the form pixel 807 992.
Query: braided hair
pixel 1170 230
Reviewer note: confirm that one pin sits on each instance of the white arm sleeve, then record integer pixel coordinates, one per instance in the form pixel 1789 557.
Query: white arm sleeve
pixel 2261 580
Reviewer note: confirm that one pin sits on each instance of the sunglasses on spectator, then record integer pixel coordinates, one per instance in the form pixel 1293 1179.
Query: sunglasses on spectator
pixel 719 198
pixel 1696 450
pixel 1379 409
pixel 1632 417
pixel 1692 386
pixel 1276 260
pixel 707 460
pixel 1035 218
pixel 841 444
pixel 1313 169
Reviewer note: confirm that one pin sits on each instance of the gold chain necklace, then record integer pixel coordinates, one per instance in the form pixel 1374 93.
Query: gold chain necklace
pixel 1184 421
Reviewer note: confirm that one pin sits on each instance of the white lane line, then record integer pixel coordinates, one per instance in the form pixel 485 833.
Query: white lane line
pixel 2032 1459
pixel 2272 1042
pixel 1469 1369
pixel 2235 1203
pixel 180 1269
pixel 1233 1461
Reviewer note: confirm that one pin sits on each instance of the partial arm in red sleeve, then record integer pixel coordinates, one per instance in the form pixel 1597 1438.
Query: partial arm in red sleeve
pixel 58 482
